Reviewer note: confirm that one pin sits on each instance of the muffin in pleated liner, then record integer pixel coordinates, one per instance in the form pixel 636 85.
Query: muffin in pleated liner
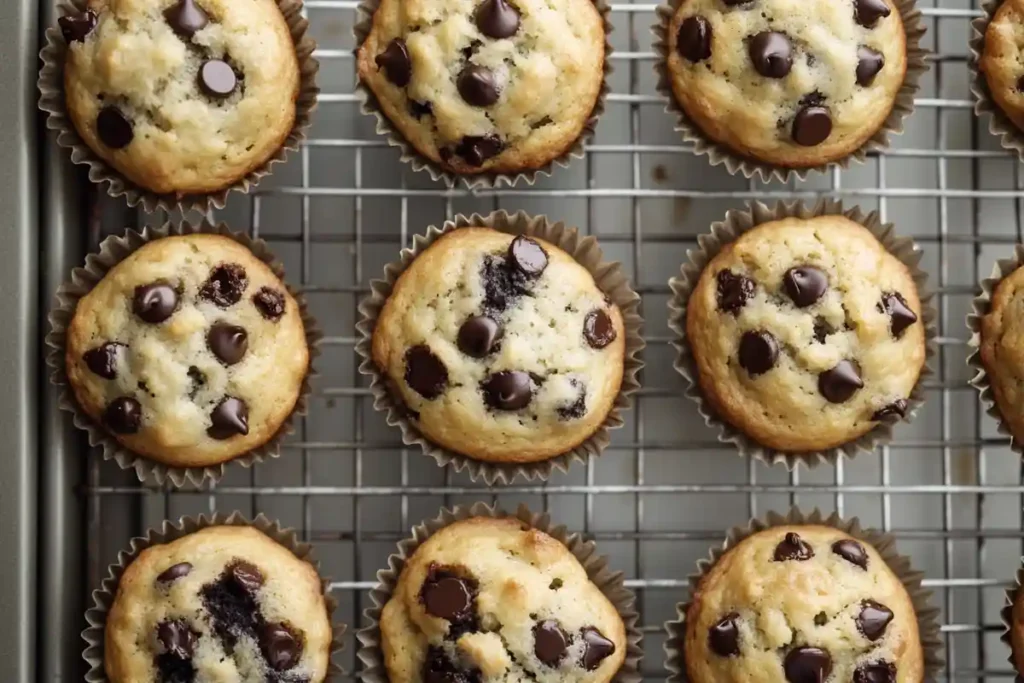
pixel 103 597
pixel 610 583
pixel 1006 614
pixel 885 544
pixel 710 244
pixel 718 153
pixel 419 162
pixel 52 101
pixel 112 251
pixel 999 124
pixel 608 276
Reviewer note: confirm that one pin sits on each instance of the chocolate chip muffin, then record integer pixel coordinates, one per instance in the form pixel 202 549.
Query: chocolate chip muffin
pixel 806 333
pixel 189 352
pixel 225 603
pixel 789 85
pixel 1001 60
pixel 181 96
pixel 803 604
pixel 1002 350
pixel 496 86
pixel 487 600
pixel 501 348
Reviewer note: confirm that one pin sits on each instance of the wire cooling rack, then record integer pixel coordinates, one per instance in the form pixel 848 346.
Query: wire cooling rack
pixel 665 491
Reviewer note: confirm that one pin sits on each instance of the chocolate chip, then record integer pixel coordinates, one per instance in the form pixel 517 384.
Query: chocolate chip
pixel 877 672
pixel 549 642
pixel 897 408
pixel 869 63
pixel 507 390
pixel 807 665
pixel 805 285
pixel 595 648
pixel 724 637
pixel 186 17
pixel 873 619
pixel 527 256
pixel 76 28
pixel 476 149
pixel 820 619
pixel 228 419
pixel 851 551
pixel 479 336
pixel 226 285
pixel 497 19
pixel 792 547
pixel 771 53
pixel 269 302
pixel 424 372
pixel 733 291
pixel 281 646
pixel 174 572
pixel 448 596
pixel 176 638
pixel 900 315
pixel 123 415
pixel 477 86
pixel 867 12
pixel 1020 84
pixel 735 3
pixel 396 63
pixel 420 109
pixel 598 329
pixel 840 383
pixel 694 39
pixel 155 302
pixel 113 128
pixel 812 126
pixel 439 669
pixel 102 360
pixel 217 78
pixel 197 380
pixel 759 351
pixel 246 576
pixel 576 409
pixel 228 342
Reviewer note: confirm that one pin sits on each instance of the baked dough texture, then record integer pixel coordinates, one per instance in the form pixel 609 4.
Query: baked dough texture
pixel 1002 60
pixel 1002 350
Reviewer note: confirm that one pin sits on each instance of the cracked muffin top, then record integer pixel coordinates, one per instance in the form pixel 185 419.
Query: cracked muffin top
pixel 1002 350
pixel 486 85
pixel 493 601
pixel 802 604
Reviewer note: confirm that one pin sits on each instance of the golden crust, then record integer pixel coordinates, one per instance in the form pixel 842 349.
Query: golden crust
pixel 1001 58
pixel 1002 350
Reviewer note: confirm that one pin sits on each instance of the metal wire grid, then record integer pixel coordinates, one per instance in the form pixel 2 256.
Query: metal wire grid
pixel 948 488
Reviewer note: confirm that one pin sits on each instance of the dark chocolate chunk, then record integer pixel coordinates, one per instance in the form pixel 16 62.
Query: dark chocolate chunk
pixel 476 149
pixel 477 86
pixel 176 638
pixel 595 648
pixel 479 336
pixel 281 646
pixel 396 63
pixel 497 19
pixel 851 551
pixel 230 418
pixel 507 390
pixel 76 28
pixel 759 351
pixel 867 12
pixel 503 283
pixel 549 642
pixel 226 285
pixel 1020 84
pixel 805 285
pixel 869 63
pixel 812 126
pixel 439 669
pixel 269 302
pixel 733 291
pixel 446 595
pixel 598 329
pixel 424 372
pixel 527 256
pixel 724 636
pixel 873 619
pixel 420 109
pixel 174 572
pixel 228 342
pixel 102 360
pixel 186 17
pixel 113 128
pixel 820 619
pixel 901 317
pixel 792 547
pixel 123 415
pixel 155 302
pixel 217 78
pixel 693 41
pixel 231 601
pixel 840 383
pixel 876 672
pixel 807 665
pixel 174 670
pixel 897 408
pixel 772 54
pixel 246 576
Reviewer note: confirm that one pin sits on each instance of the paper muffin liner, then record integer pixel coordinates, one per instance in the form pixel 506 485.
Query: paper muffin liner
pixel 885 544
pixel 719 153
pixel 52 102
pixel 608 276
pixel 999 124
pixel 736 223
pixel 610 583
pixel 420 162
pixel 112 251
pixel 1006 614
pixel 103 597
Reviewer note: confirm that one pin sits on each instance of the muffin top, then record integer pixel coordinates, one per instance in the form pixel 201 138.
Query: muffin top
pixel 493 601
pixel 803 604
pixel 486 85
pixel 1002 60
pixel 806 333
pixel 225 603
pixel 1002 350
pixel 502 348
pixel 181 96
pixel 793 83
pixel 1017 631
pixel 190 351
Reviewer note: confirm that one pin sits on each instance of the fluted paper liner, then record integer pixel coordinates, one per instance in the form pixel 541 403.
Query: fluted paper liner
pixel 736 223
pixel 103 597
pixel 999 124
pixel 885 544
pixel 1007 617
pixel 719 153
pixel 610 583
pixel 608 276
pixel 112 251
pixel 420 162
pixel 51 101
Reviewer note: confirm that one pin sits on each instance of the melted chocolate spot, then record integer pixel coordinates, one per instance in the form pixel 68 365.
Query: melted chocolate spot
pixel 76 28
pixel 176 638
pixel 877 672
pixel 479 336
pixel 527 256
pixel 549 642
pixel 439 669
pixel 598 329
pixel 693 42
pixel 578 408
pixel 476 149
pixel 113 128
pixel 807 665
pixel 851 551
pixel 174 572
pixel 102 360
pixel 396 63
pixel 226 285
pixel 424 372
pixel 281 646
pixel 724 637
pixel 123 415
pixel 269 302
pixel 868 12
pixel 231 602
pixel 792 547
pixel 733 291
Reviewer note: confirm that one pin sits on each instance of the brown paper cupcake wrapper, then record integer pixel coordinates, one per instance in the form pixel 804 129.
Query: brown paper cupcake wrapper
pixel 1006 614
pixel 885 544
pixel 999 124
pixel 610 279
pixel 51 101
pixel 610 583
pixel 112 251
pixel 419 162
pixel 103 597
pixel 735 224
pixel 719 153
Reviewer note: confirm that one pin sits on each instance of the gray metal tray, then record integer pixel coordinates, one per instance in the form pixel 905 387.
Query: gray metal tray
pixel 949 488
